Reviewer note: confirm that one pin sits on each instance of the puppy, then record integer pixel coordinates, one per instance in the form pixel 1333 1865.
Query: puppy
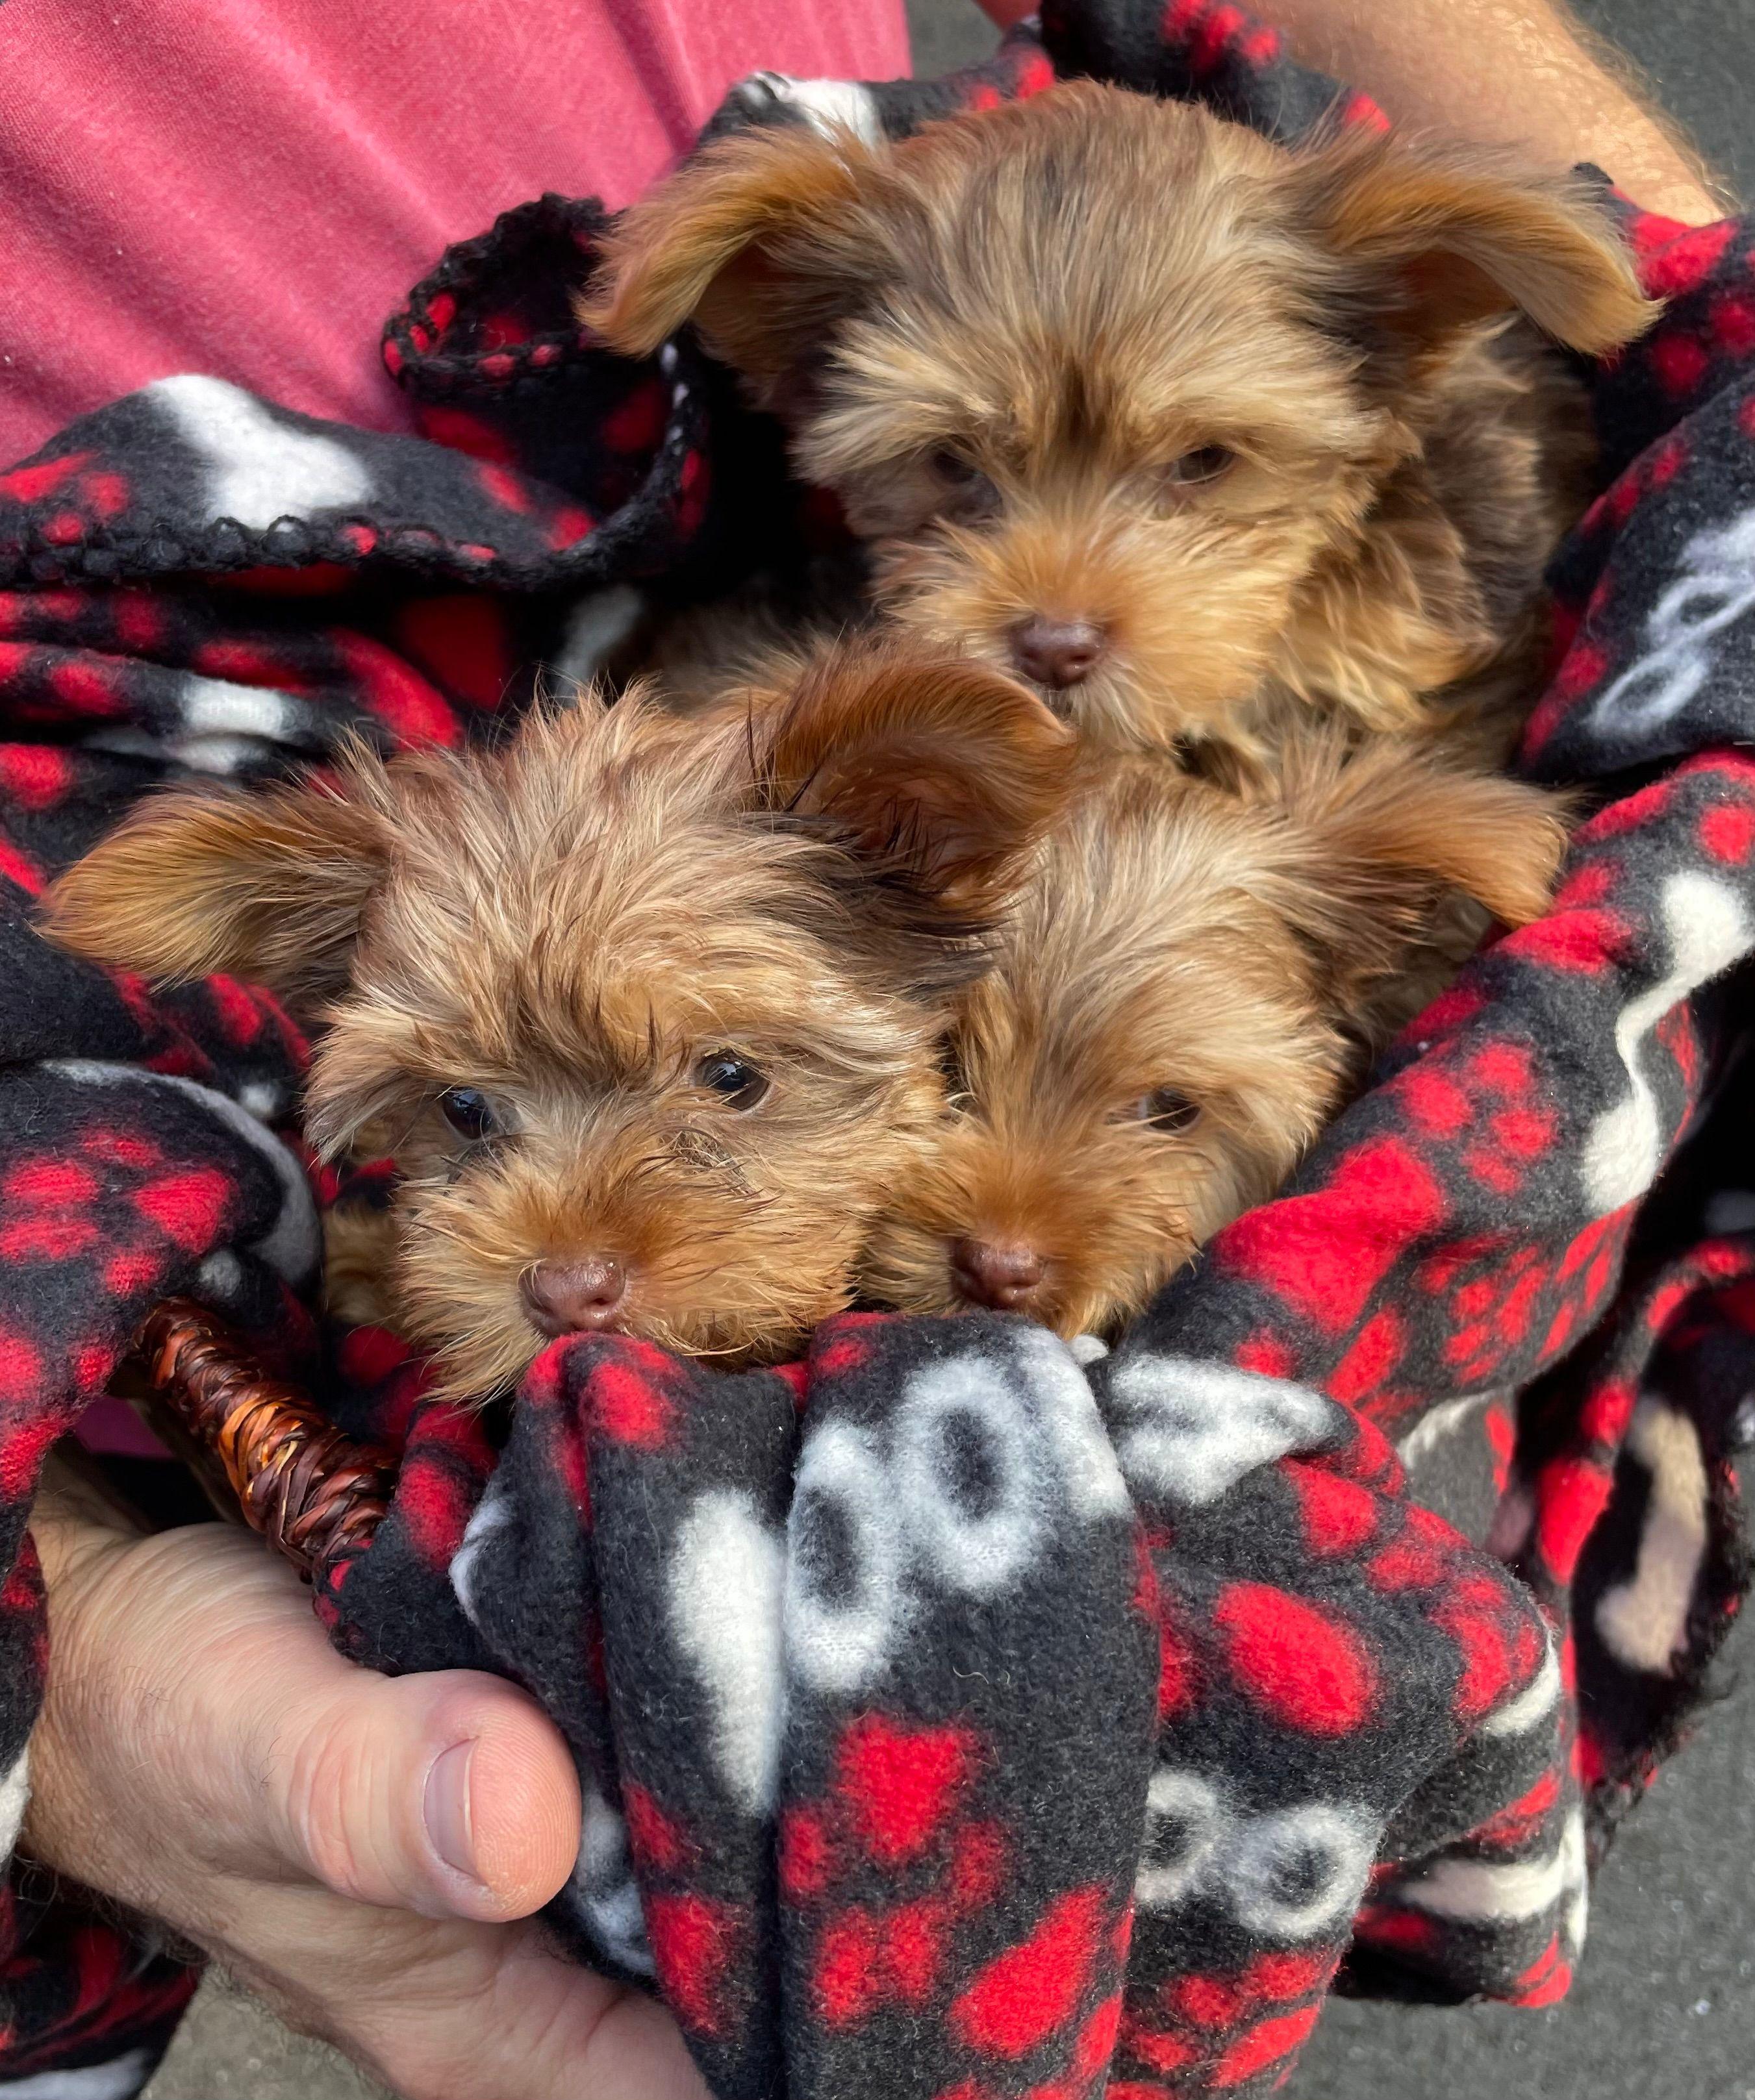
pixel 647 1012
pixel 1189 430
pixel 1193 985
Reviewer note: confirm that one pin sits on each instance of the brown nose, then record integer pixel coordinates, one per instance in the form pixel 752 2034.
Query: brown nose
pixel 990 1272
pixel 1056 652
pixel 575 1297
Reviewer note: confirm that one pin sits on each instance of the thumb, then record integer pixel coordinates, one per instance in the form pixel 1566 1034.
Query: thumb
pixel 191 1680
pixel 449 1794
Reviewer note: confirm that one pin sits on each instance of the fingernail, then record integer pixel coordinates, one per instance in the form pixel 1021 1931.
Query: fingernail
pixel 446 1810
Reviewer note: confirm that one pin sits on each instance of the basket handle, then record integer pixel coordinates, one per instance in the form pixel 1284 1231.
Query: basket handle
pixel 314 1493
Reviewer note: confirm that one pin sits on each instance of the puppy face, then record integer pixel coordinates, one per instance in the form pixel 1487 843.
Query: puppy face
pixel 645 1012
pixel 1191 984
pixel 1113 386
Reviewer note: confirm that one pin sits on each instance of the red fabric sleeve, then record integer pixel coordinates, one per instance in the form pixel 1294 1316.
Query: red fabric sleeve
pixel 246 187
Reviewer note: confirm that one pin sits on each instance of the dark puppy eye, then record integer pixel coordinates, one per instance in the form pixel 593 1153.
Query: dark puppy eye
pixel 469 1112
pixel 953 469
pixel 733 1079
pixel 965 492
pixel 1205 463
pixel 1165 1108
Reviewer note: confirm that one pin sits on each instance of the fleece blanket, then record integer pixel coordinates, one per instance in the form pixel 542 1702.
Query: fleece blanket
pixel 959 1717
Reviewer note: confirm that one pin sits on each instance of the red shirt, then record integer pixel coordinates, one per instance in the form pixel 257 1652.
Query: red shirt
pixel 248 187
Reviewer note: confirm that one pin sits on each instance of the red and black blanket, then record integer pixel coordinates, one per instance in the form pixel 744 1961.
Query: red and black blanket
pixel 957 1719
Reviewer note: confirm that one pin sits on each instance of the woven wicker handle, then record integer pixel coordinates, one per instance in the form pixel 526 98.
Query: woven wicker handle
pixel 315 1493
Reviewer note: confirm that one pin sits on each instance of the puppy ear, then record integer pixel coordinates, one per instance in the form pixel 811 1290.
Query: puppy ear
pixel 266 886
pixel 941 772
pixel 1449 240
pixel 1377 846
pixel 756 239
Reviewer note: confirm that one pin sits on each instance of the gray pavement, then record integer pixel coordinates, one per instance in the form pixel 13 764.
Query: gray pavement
pixel 1664 2007
pixel 1697 58
pixel 231 2047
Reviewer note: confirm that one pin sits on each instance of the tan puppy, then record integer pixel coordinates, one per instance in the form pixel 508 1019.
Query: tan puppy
pixel 648 1013
pixel 1189 430
pixel 1191 987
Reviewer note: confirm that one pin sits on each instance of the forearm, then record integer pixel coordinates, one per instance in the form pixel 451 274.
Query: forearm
pixel 1514 73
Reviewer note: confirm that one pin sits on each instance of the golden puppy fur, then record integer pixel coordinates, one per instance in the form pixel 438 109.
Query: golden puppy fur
pixel 647 1012
pixel 1192 429
pixel 1193 984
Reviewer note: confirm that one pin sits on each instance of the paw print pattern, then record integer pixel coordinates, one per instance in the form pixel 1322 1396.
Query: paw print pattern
pixel 1468 1219
pixel 1386 1674
pixel 939 1723
pixel 910 1679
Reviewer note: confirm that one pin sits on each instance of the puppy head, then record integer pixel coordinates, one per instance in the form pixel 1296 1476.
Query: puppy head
pixel 1191 986
pixel 646 1013
pixel 1107 381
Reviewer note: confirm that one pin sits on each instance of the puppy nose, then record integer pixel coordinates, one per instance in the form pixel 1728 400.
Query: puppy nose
pixel 1056 652
pixel 575 1297
pixel 993 1272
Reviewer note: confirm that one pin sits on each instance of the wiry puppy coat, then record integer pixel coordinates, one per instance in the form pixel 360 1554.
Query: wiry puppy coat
pixel 647 1013
pixel 1185 427
pixel 1192 985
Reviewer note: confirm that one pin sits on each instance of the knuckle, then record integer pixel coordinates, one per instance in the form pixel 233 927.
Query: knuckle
pixel 332 1784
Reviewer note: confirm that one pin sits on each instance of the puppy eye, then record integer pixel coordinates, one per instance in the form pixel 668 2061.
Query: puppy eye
pixel 1205 463
pixel 734 1079
pixel 952 468
pixel 469 1112
pixel 1165 1108
pixel 965 492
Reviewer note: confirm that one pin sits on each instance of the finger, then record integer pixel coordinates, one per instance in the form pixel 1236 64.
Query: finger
pixel 190 1679
pixel 449 1794
pixel 267 1781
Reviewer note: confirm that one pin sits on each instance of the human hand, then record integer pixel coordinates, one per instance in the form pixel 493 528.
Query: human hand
pixel 365 1852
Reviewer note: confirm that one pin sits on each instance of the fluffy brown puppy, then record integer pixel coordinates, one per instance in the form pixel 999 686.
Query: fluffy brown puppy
pixel 1188 429
pixel 648 1013
pixel 1192 985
